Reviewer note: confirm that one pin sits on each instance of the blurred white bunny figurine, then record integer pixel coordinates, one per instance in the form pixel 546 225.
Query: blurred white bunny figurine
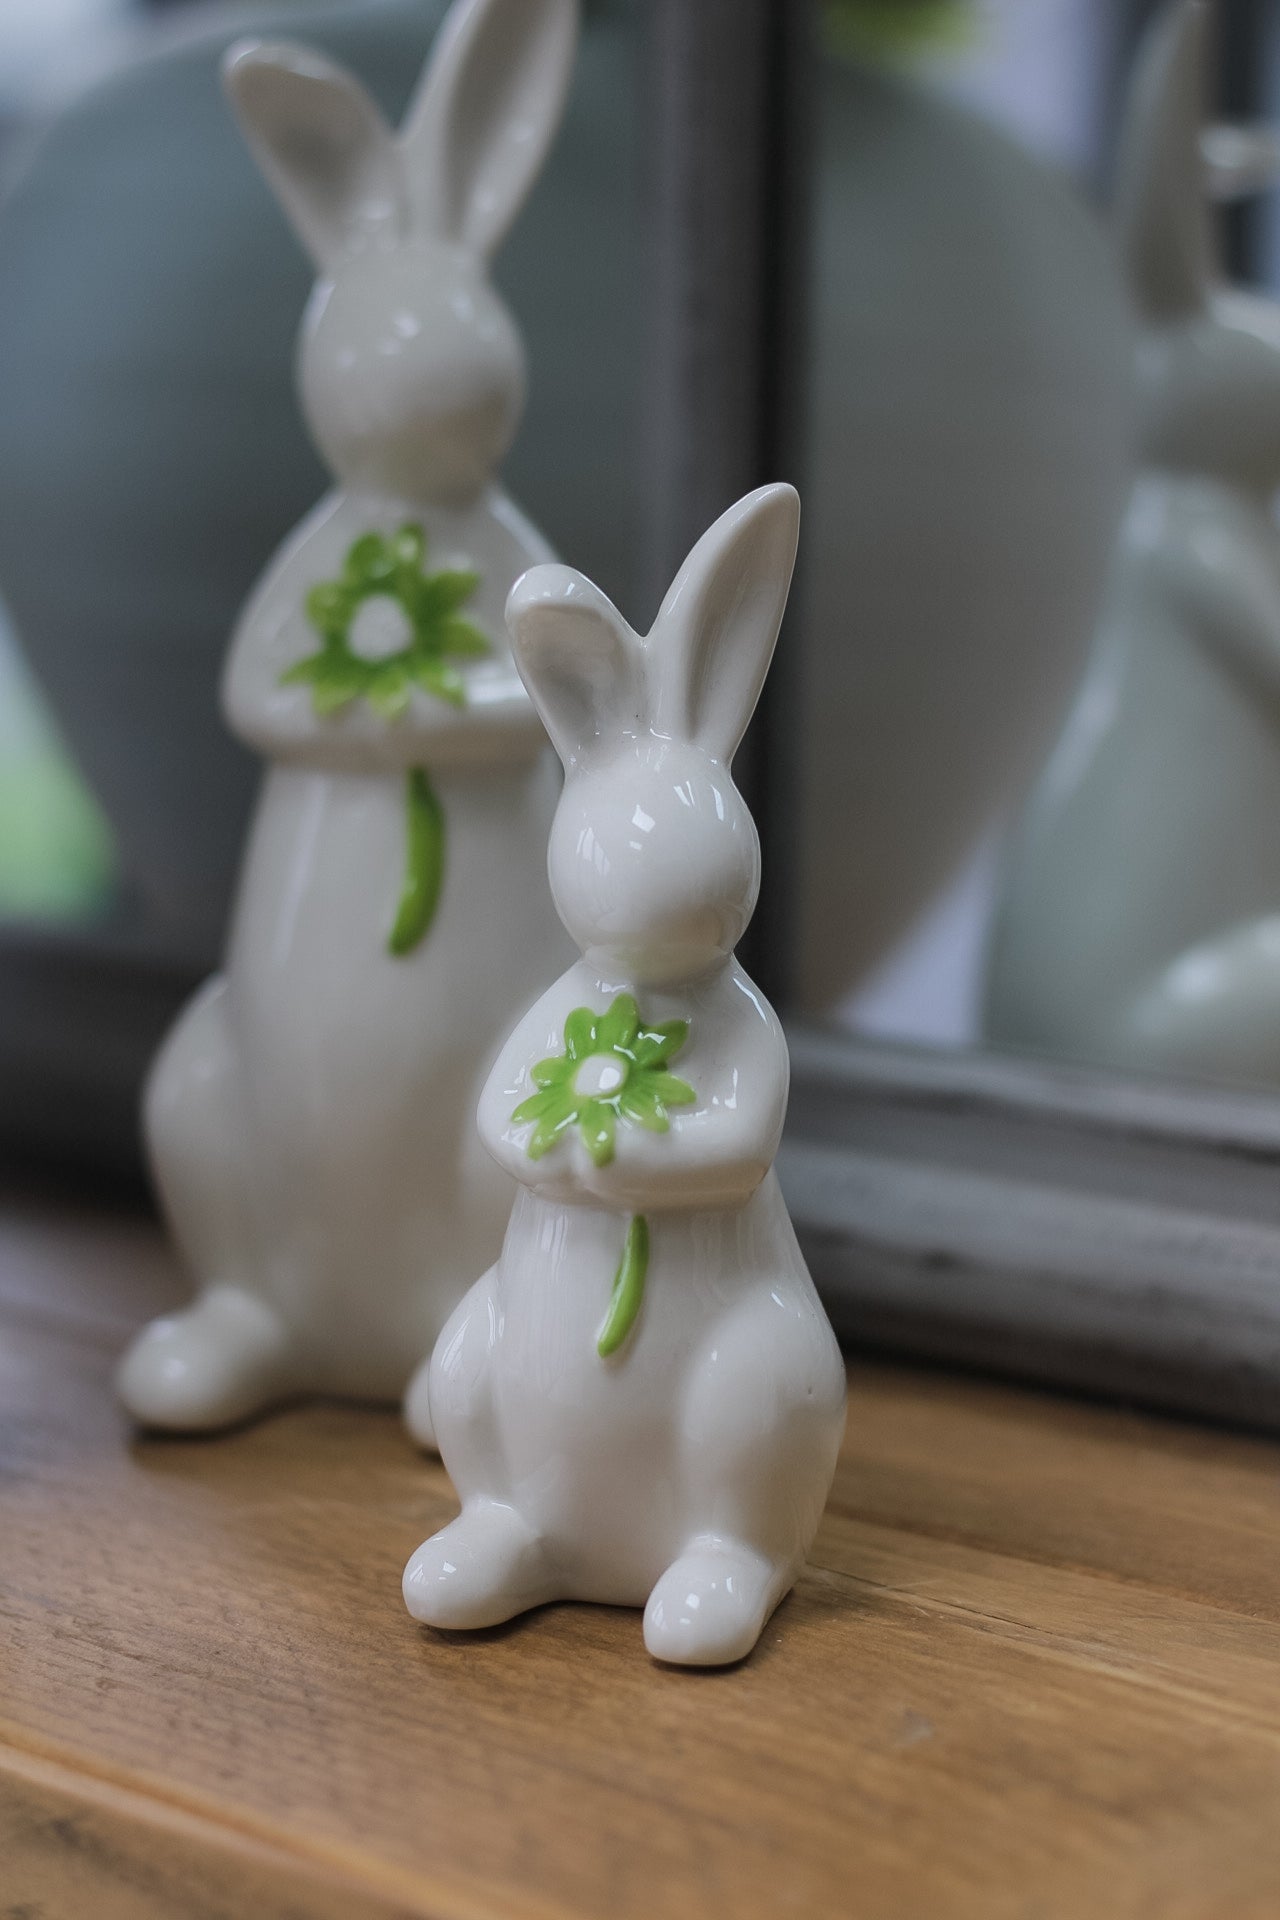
pixel 310 1117
pixel 1140 919
pixel 670 1444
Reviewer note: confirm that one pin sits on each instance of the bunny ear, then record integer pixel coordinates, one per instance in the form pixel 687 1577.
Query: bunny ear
pixel 579 659
pixel 715 634
pixel 322 144
pixel 1162 207
pixel 488 104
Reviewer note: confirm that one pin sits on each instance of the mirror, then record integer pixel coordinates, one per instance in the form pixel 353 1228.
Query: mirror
pixel 1005 841
pixel 1034 896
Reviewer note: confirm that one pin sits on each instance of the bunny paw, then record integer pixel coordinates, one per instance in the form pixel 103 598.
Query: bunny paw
pixel 483 1568
pixel 710 1605
pixel 220 1361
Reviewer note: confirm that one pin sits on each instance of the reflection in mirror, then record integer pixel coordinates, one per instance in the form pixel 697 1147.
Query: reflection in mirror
pixel 56 851
pixel 968 455
pixel 1112 1229
pixel 1138 923
pixel 1125 918
pixel 57 861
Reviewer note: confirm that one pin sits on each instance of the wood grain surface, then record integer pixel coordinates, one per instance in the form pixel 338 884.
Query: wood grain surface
pixel 1033 1671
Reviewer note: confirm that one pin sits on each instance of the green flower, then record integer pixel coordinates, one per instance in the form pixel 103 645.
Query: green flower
pixel 612 1069
pixel 389 566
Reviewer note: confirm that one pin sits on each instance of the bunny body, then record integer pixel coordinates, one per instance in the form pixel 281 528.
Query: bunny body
pixel 683 1467
pixel 1139 923
pixel 309 1119
pixel 721 1421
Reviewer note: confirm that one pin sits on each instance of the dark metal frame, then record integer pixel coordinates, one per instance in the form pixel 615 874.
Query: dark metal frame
pixel 728 86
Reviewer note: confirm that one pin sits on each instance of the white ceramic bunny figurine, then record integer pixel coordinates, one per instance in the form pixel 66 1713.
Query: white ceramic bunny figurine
pixel 1140 918
pixel 669 1445
pixel 310 1117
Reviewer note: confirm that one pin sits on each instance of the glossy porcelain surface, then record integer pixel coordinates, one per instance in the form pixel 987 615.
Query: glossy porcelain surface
pixel 641 1401
pixel 310 1119
pixel 1140 920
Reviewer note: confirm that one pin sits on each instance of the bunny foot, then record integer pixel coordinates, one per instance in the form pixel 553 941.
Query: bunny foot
pixel 417 1408
pixel 710 1605
pixel 483 1568
pixel 223 1359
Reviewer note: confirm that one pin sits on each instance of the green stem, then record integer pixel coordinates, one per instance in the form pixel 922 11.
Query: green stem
pixel 423 864
pixel 628 1288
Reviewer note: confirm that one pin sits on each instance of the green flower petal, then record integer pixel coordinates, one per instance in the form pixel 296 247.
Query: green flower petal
pixel 332 666
pixel 547 1132
pixel 539 1105
pixel 370 562
pixel 580 1033
pixel 329 607
pixel 332 699
pixel 596 1122
pixel 425 668
pixel 336 681
pixel 463 641
pixel 432 597
pixel 445 682
pixel 550 1073
pixel 670 1091
pixel 389 703
pixel 304 672
pixel 453 687
pixel 617 1028
pixel 389 696
pixel 656 1045
pixel 637 1104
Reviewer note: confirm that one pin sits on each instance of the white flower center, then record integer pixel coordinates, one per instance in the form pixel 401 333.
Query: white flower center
pixel 380 628
pixel 599 1076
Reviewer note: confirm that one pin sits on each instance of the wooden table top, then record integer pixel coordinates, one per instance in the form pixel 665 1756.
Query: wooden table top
pixel 1034 1669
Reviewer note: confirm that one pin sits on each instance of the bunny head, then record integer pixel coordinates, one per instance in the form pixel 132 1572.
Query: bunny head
pixel 1208 365
pixel 411 369
pixel 654 860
